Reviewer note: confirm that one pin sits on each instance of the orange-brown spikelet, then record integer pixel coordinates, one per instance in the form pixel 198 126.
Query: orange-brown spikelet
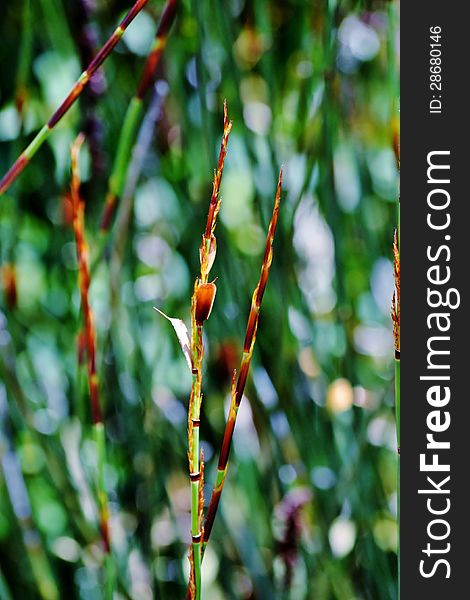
pixel 208 246
pixel 205 296
pixel 192 585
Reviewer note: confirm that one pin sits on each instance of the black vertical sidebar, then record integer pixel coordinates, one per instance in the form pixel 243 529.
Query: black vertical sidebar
pixel 435 273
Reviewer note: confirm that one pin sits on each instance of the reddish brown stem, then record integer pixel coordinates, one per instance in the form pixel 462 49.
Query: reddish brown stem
pixel 78 208
pixel 238 384
pixel 133 115
pixel 74 93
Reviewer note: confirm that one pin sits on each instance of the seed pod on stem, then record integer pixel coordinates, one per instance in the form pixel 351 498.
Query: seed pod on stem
pixel 238 383
pixel 201 306
pixel 202 301
pixel 205 295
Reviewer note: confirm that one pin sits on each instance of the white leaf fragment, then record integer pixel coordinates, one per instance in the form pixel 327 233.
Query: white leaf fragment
pixel 182 335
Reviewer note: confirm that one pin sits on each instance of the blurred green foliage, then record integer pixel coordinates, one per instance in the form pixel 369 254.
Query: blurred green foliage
pixel 309 507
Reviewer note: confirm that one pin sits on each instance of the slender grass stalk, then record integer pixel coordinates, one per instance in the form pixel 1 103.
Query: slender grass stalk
pixel 393 82
pixel 141 147
pixel 396 335
pixel 238 383
pixel 396 321
pixel 27 154
pixel 78 207
pixel 201 305
pixel 134 115
pixel 129 130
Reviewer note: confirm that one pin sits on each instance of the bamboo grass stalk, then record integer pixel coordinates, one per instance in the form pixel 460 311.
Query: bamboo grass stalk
pixel 133 116
pixel 201 305
pixel 195 402
pixel 141 147
pixel 27 154
pixel 78 207
pixel 238 383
